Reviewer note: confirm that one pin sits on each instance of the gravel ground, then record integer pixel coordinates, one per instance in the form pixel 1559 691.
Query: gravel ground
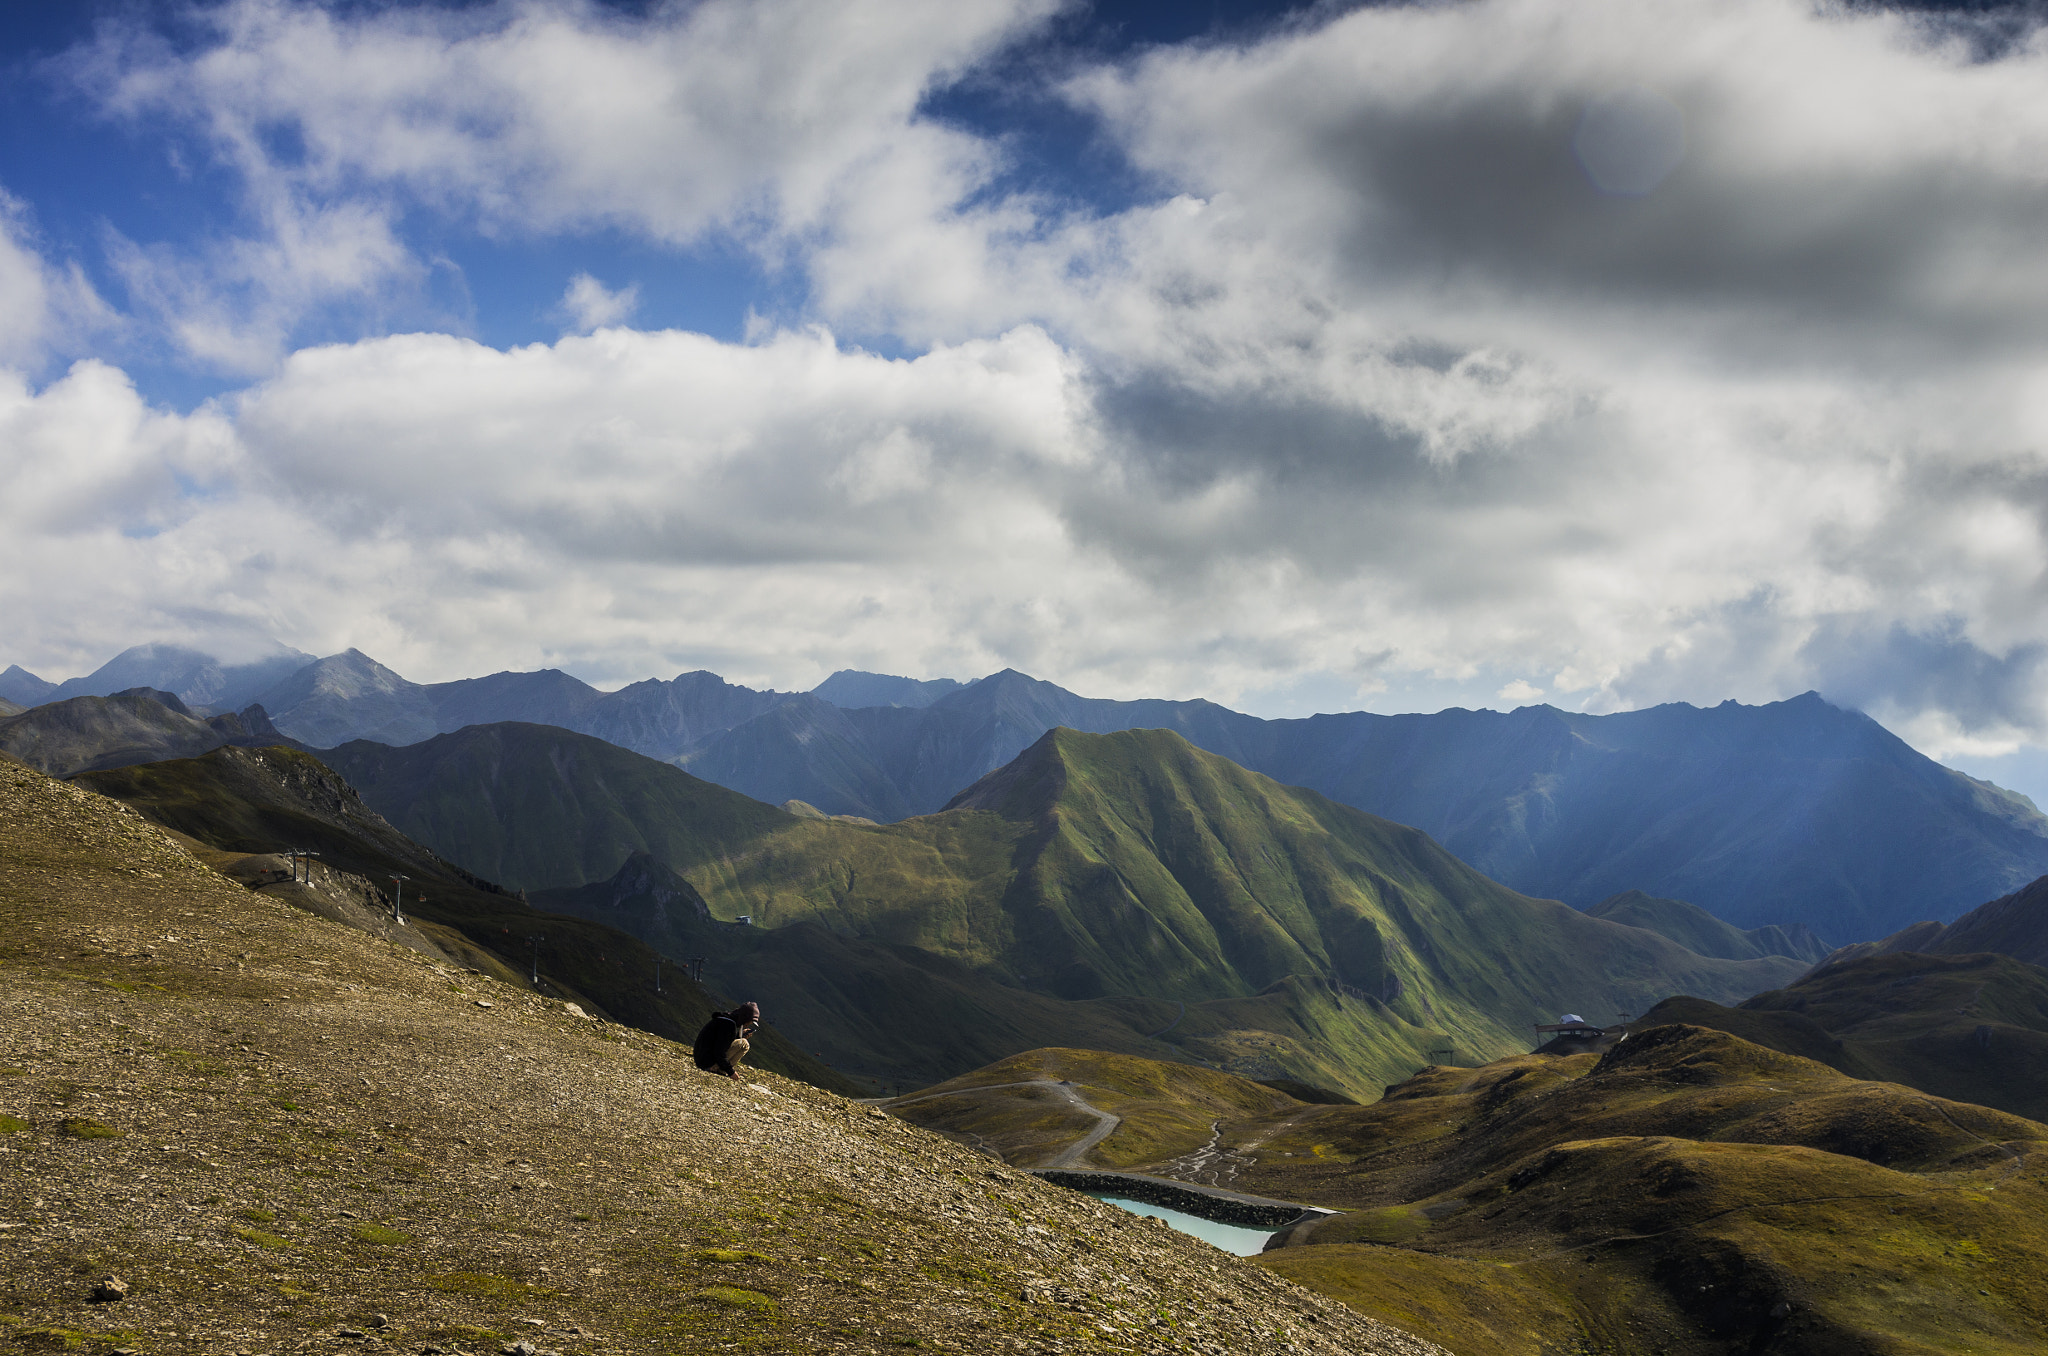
pixel 282 1135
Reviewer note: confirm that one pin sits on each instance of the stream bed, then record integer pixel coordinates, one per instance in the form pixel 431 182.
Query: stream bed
pixel 1245 1242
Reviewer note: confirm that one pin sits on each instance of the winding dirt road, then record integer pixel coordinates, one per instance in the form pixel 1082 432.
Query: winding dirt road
pixel 1073 1154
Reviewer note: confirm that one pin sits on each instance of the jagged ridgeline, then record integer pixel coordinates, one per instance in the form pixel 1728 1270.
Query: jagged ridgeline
pixel 1095 891
pixel 235 803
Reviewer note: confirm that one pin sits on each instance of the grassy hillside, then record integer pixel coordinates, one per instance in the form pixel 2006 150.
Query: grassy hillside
pixel 281 1134
pixel 1973 1028
pixel 1689 1193
pixel 268 801
pixel 1693 928
pixel 1126 866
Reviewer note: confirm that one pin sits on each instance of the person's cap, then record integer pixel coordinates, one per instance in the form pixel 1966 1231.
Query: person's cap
pixel 747 1012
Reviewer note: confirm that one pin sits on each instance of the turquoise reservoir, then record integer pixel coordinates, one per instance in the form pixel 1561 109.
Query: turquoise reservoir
pixel 1229 1237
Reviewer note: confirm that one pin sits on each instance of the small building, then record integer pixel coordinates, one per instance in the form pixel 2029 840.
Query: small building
pixel 1571 1026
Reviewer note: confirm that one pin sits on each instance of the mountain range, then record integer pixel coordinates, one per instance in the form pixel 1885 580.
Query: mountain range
pixel 196 678
pixel 1132 870
pixel 1795 812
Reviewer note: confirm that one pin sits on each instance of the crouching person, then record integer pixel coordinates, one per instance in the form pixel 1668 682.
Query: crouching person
pixel 722 1044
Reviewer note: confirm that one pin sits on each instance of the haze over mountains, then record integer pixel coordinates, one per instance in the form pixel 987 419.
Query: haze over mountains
pixel 1795 812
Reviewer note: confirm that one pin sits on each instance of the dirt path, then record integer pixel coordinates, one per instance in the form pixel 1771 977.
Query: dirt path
pixel 1105 1126
pixel 1170 1025
pixel 1069 1157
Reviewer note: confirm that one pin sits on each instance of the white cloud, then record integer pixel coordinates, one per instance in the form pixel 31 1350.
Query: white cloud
pixel 232 306
pixel 45 309
pixel 590 305
pixel 768 122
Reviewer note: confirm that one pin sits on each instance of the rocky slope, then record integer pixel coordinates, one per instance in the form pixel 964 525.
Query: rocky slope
pixel 265 1131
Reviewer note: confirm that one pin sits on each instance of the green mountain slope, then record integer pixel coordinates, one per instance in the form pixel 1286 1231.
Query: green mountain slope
pixel 1971 1028
pixel 274 800
pixel 536 806
pixel 1693 928
pixel 1127 866
pixel 898 1016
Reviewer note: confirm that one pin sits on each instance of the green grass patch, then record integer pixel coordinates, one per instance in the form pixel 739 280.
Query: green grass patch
pixel 256 1216
pixel 49 1339
pixel 283 1105
pixel 259 1238
pixel 734 1297
pixel 729 1255
pixel 12 1125
pixel 383 1237
pixel 84 1127
pixel 1394 1224
pixel 196 1064
pixel 482 1285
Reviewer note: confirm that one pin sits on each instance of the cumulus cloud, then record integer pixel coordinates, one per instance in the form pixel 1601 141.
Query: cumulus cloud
pixel 590 305
pixel 1621 353
pixel 759 121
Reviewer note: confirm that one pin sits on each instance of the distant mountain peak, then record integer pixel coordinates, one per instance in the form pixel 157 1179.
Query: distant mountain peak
pixel 854 689
pixel 157 695
pixel 23 688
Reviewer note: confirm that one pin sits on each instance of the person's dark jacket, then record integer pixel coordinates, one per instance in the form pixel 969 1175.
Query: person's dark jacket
pixel 718 1033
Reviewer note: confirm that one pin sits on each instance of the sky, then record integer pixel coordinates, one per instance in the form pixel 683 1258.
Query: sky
pixel 1303 358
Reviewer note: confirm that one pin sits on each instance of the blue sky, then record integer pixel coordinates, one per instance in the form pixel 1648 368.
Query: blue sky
pixel 1345 356
pixel 85 175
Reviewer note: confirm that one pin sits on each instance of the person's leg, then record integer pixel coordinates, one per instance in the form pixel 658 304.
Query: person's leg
pixel 734 1053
